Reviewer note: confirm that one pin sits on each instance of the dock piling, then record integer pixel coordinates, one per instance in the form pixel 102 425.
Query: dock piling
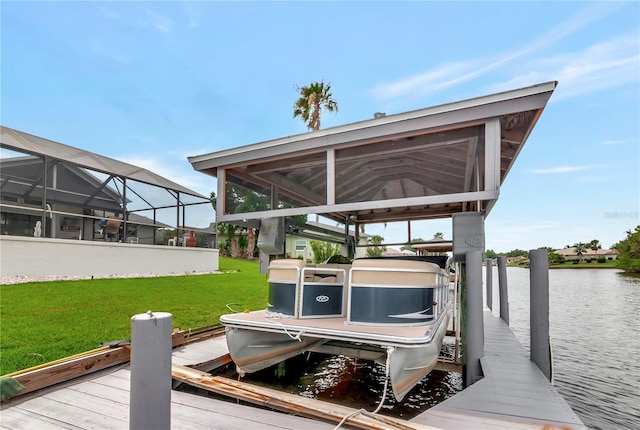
pixel 502 289
pixel 150 394
pixel 474 319
pixel 539 310
pixel 489 283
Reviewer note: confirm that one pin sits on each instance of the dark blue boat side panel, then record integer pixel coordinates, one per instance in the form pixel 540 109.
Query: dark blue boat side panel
pixel 320 300
pixel 282 298
pixel 391 305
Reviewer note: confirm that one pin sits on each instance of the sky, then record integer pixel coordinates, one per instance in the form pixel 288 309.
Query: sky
pixel 151 83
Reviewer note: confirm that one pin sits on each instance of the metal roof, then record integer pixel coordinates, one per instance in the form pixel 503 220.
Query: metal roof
pixel 34 145
pixel 428 163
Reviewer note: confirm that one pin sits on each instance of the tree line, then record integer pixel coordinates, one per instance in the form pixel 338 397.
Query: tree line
pixel 628 251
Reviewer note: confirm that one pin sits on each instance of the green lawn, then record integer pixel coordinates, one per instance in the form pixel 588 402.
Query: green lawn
pixel 45 321
pixel 611 264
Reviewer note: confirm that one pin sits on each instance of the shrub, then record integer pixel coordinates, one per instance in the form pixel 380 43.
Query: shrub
pixel 602 260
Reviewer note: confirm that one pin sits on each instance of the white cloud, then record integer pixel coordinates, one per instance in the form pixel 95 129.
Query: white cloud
pixel 159 22
pixel 558 169
pixel 604 65
pixel 614 142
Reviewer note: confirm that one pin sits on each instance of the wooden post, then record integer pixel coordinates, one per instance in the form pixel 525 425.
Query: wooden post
pixel 489 284
pixel 502 289
pixel 150 396
pixel 474 319
pixel 539 310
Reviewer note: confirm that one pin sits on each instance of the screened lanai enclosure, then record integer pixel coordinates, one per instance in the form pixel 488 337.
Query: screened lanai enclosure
pixel 54 197
pixel 76 194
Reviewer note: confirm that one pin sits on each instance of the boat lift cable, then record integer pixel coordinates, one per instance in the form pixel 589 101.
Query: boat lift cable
pixel 390 350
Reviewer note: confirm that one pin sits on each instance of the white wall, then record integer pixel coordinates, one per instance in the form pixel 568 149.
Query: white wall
pixel 30 256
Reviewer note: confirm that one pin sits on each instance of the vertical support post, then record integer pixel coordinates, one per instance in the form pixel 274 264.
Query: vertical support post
pixel 489 283
pixel 539 310
pixel 492 154
pixel 221 187
pixel 331 177
pixel 502 288
pixel 474 320
pixel 45 185
pixel 125 214
pixel 150 395
pixel 178 230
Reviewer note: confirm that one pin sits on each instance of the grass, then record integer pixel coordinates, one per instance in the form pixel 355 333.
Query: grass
pixel 609 264
pixel 45 321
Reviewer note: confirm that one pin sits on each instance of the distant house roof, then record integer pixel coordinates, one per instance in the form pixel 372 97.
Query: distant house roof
pixel 571 252
pixel 516 258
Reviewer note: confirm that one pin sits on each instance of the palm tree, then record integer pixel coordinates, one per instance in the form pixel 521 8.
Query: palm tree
pixel 230 231
pixel 594 245
pixel 313 98
pixel 580 248
pixel 375 250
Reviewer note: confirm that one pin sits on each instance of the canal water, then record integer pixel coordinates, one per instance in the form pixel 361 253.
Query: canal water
pixel 594 328
pixel 594 324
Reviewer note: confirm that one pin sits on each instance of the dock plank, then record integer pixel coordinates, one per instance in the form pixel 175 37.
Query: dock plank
pixel 60 411
pixel 101 401
pixel 20 419
pixel 513 392
pixel 199 352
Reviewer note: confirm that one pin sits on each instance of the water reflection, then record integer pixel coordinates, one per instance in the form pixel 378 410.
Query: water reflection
pixel 354 383
pixel 593 329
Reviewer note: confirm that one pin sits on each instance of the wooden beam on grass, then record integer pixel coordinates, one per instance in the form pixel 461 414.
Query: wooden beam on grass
pixel 65 369
pixel 40 377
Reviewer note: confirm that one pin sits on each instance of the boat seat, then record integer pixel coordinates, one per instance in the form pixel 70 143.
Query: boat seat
pixel 390 291
pixel 287 269
pixel 284 286
pixel 392 271
pixel 322 292
pixel 328 273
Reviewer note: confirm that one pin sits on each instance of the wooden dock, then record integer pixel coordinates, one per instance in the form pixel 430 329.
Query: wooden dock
pixel 513 394
pixel 102 402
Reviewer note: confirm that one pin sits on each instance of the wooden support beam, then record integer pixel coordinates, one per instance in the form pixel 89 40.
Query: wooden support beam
pixel 45 375
pixel 290 403
pixel 41 377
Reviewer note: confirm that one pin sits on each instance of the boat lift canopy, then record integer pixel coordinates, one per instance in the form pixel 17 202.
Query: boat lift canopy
pixel 423 164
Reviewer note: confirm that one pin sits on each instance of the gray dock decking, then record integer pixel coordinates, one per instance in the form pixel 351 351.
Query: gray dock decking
pixel 102 402
pixel 513 394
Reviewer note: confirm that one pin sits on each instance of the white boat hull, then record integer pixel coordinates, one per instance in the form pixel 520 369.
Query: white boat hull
pixel 256 342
